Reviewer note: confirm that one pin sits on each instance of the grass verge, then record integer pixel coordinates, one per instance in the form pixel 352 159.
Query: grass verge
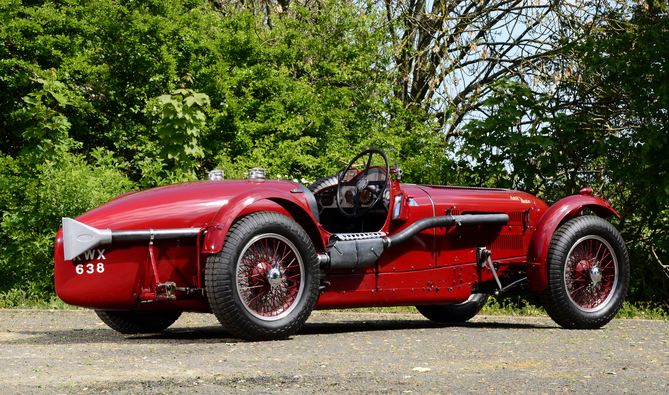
pixel 522 305
pixel 20 299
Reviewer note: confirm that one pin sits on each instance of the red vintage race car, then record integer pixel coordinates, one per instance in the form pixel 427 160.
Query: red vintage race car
pixel 261 254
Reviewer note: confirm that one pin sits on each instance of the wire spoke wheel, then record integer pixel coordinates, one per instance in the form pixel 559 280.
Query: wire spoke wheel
pixel 264 282
pixel 269 276
pixel 588 273
pixel 591 273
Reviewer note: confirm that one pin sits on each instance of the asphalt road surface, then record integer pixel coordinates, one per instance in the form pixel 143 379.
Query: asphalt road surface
pixel 72 352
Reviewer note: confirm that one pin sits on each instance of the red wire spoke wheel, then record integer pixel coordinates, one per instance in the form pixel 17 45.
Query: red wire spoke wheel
pixel 591 273
pixel 264 283
pixel 269 276
pixel 588 273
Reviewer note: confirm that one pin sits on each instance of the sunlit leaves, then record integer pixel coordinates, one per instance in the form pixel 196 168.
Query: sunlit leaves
pixel 180 127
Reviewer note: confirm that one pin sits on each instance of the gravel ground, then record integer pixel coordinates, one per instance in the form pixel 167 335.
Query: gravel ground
pixel 72 352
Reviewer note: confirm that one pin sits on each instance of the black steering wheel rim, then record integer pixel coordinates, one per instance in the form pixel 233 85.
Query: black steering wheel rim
pixel 340 183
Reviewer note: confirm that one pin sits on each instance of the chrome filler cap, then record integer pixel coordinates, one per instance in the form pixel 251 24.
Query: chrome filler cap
pixel 257 173
pixel 216 175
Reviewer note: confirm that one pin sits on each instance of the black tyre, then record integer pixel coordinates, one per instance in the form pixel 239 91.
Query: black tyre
pixel 588 273
pixel 131 322
pixel 323 183
pixel 453 313
pixel 263 284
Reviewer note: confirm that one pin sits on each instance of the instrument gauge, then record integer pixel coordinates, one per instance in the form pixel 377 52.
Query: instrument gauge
pixel 365 196
pixel 327 199
pixel 349 196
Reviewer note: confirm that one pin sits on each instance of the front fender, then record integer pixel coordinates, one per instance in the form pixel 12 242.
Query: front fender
pixel 571 206
pixel 218 228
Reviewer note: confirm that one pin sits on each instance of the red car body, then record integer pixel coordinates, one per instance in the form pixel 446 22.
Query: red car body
pixel 437 266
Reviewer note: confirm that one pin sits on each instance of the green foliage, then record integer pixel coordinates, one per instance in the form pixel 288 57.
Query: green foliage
pixel 606 129
pixel 314 87
pixel 64 187
pixel 46 133
pixel 525 143
pixel 50 127
pixel 628 69
pixel 512 305
pixel 501 150
pixel 42 181
pixel 519 306
pixel 631 64
pixel 643 310
pixel 181 125
pixel 20 299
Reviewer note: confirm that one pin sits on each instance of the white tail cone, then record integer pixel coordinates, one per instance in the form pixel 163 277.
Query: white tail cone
pixel 78 238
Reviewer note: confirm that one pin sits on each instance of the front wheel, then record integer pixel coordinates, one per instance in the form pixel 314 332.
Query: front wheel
pixel 132 322
pixel 455 313
pixel 588 273
pixel 263 284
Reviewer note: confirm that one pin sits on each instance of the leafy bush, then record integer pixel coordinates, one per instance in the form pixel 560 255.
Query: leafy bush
pixel 42 182
pixel 20 299
pixel 64 187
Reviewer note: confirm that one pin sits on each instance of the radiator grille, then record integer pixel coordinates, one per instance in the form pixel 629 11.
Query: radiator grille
pixel 516 216
pixel 493 242
pixel 452 211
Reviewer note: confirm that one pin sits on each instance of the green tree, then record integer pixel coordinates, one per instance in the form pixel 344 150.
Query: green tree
pixel 626 61
pixel 604 126
pixel 43 183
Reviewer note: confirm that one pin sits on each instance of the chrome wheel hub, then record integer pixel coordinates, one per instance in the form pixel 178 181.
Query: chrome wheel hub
pixel 595 275
pixel 274 278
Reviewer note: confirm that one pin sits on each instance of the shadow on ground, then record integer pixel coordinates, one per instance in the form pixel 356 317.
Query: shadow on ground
pixel 217 334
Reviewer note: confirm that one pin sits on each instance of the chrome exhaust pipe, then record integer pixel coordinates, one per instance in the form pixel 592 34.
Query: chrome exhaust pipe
pixel 79 238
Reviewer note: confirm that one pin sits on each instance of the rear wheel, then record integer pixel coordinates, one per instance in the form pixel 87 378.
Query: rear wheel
pixel 453 313
pixel 132 322
pixel 588 273
pixel 263 284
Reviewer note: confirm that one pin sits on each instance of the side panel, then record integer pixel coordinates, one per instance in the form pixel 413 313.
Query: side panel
pixel 564 209
pixel 418 252
pixel 457 245
pixel 442 285
pixel 113 277
pixel 432 286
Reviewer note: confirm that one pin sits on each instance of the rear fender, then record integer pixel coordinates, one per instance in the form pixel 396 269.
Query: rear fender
pixel 569 207
pixel 243 203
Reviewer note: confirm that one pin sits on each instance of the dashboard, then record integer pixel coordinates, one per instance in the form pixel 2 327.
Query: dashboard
pixel 375 176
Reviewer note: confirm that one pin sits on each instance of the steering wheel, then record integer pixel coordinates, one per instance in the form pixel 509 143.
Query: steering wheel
pixel 376 188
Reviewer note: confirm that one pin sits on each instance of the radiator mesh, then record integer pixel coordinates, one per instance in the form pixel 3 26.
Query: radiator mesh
pixel 493 242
